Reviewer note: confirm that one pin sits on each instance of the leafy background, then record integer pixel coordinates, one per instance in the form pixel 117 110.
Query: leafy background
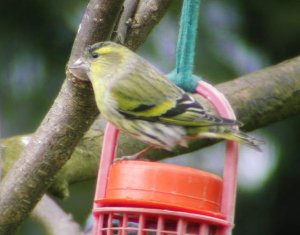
pixel 235 37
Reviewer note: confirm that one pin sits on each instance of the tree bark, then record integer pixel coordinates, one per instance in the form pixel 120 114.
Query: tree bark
pixel 72 113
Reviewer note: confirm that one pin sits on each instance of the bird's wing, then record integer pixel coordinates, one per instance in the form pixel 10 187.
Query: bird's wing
pixel 154 98
pixel 146 98
pixel 189 112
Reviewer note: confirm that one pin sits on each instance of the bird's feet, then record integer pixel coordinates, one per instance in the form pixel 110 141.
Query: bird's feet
pixel 129 158
pixel 137 156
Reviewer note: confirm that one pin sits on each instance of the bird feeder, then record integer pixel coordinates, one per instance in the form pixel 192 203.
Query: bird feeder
pixel 148 198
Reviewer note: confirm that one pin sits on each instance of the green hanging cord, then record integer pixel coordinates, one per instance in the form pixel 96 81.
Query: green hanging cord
pixel 183 76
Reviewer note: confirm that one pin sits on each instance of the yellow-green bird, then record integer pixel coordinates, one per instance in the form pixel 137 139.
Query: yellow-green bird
pixel 141 101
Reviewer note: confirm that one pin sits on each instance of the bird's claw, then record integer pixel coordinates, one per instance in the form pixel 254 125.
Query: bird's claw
pixel 131 158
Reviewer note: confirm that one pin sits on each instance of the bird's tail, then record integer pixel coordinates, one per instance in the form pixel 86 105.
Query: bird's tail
pixel 229 133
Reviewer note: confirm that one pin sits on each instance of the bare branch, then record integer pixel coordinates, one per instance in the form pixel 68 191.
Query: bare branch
pixel 266 96
pixel 129 10
pixel 97 25
pixel 148 14
pixel 54 220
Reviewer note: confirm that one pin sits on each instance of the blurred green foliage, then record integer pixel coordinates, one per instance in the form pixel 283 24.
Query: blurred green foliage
pixel 235 37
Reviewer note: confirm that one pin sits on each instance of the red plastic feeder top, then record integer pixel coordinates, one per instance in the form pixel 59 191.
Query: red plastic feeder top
pixel 162 186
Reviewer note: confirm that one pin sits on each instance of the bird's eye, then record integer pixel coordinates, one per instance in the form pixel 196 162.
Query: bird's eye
pixel 95 55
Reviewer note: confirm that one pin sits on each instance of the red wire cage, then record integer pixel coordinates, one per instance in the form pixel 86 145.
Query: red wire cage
pixel 148 198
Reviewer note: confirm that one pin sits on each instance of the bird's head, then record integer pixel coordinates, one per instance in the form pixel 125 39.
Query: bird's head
pixel 100 59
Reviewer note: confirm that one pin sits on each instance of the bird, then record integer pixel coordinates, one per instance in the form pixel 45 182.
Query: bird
pixel 139 100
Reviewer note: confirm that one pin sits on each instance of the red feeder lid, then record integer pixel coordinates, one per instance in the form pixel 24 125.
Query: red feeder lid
pixel 162 185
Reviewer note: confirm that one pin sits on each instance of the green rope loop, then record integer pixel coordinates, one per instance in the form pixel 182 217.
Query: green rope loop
pixel 183 76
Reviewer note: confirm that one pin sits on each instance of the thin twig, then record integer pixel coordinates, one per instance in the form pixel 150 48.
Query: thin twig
pixel 54 220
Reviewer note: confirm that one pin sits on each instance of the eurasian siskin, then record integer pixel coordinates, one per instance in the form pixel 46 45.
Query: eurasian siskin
pixel 141 101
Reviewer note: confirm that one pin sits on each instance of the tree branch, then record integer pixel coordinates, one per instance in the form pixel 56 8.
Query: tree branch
pixel 137 18
pixel 97 25
pixel 259 99
pixel 54 220
pixel 70 116
pixel 265 96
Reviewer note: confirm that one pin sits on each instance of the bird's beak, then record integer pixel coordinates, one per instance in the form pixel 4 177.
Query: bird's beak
pixel 80 69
